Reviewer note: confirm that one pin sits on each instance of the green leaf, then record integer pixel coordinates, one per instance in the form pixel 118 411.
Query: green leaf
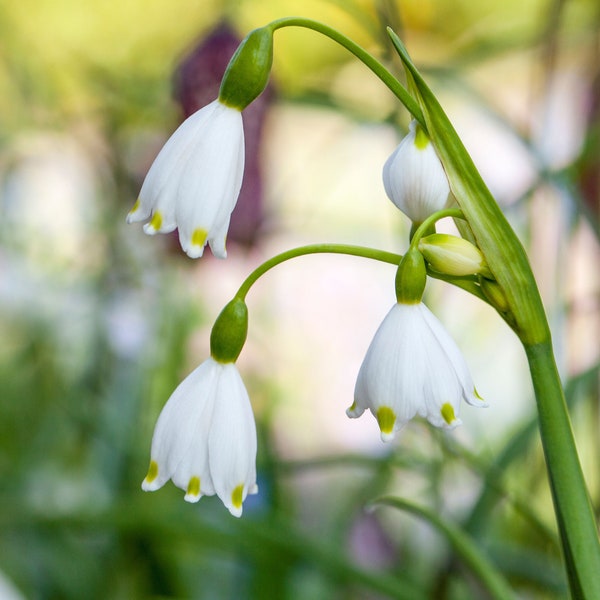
pixel 469 552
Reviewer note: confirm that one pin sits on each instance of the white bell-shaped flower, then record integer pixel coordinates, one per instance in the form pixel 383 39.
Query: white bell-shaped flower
pixel 414 178
pixel 194 183
pixel 412 367
pixel 205 438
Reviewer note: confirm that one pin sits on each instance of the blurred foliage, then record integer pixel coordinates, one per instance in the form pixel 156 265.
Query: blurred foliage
pixel 96 331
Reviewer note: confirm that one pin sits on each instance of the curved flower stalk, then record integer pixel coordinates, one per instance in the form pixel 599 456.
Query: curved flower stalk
pixel 195 181
pixel 414 178
pixel 205 438
pixel 412 367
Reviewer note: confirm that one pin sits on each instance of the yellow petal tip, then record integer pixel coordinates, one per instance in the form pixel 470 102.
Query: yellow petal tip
pixel 386 419
pixel 447 412
pixel 152 472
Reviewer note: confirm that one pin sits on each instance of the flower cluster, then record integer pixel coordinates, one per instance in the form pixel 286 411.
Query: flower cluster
pixel 205 437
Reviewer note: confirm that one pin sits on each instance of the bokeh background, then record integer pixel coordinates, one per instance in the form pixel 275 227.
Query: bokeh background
pixel 98 322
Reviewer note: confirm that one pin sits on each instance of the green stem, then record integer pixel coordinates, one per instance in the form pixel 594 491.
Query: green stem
pixel 372 253
pixel 575 517
pixel 372 63
pixel 426 225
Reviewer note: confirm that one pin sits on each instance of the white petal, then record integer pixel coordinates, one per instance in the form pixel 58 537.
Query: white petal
pixel 217 239
pixel 232 441
pixel 456 358
pixel 173 156
pixel 210 183
pixel 175 438
pixel 388 377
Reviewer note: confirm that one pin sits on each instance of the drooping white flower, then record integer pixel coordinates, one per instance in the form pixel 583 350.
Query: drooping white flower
pixel 412 367
pixel 194 183
pixel 414 178
pixel 205 438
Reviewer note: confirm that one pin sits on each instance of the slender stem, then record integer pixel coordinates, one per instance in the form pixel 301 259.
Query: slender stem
pixel 372 253
pixel 424 227
pixel 367 59
pixel 575 516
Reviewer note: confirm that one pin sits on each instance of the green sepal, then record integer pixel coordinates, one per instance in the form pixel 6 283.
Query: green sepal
pixel 411 278
pixel 229 332
pixel 248 71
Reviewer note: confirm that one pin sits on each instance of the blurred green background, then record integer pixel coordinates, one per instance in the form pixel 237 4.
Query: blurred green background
pixel 98 323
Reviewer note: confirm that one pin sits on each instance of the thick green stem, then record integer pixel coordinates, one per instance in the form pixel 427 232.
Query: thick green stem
pixel 372 63
pixel 372 253
pixel 576 522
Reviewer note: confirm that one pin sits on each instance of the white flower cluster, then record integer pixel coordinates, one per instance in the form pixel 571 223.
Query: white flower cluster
pixel 205 437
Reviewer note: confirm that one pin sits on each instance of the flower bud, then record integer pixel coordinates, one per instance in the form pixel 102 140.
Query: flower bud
pixel 411 278
pixel 248 71
pixel 453 255
pixel 414 178
pixel 228 334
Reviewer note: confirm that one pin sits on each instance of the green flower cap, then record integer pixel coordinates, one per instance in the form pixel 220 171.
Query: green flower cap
pixel 228 334
pixel 411 278
pixel 248 71
pixel 453 255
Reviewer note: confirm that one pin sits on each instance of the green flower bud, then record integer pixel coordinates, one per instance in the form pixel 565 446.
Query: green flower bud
pixel 453 255
pixel 248 71
pixel 229 332
pixel 411 278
